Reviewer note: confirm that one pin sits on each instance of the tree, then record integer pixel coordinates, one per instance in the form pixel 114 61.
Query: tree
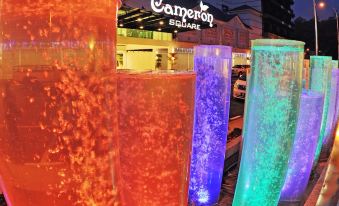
pixel 304 31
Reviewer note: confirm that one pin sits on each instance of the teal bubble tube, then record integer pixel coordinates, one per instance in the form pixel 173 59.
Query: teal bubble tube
pixel 271 115
pixel 320 81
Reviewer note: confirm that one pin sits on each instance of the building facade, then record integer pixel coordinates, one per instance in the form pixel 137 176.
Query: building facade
pixel 277 18
pixel 272 17
pixel 147 40
pixel 252 17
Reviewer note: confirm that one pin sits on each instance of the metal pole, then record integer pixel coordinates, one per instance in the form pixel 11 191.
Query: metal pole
pixel 315 27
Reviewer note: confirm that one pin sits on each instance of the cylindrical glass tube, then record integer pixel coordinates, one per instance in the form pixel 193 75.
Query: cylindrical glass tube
pixel 306 74
pixel 301 160
pixel 335 64
pixel 336 115
pixel 58 143
pixel 330 126
pixel 213 67
pixel 336 107
pixel 320 81
pixel 155 132
pixel 271 114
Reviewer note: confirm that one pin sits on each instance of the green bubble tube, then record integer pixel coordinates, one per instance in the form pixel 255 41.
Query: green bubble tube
pixel 320 81
pixel 271 114
pixel 335 64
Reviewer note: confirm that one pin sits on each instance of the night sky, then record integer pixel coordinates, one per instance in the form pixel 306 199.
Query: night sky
pixel 304 8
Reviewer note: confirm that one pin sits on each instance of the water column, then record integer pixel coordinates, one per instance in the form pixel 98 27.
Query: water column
pixel 213 67
pixel 58 102
pixel 320 81
pixel 330 124
pixel 271 115
pixel 336 112
pixel 335 63
pixel 301 160
pixel 155 133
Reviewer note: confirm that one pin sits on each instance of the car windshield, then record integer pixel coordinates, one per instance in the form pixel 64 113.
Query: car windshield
pixel 241 66
pixel 243 77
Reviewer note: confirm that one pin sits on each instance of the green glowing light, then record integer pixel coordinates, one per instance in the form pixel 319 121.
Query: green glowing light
pixel 320 81
pixel 270 120
pixel 335 63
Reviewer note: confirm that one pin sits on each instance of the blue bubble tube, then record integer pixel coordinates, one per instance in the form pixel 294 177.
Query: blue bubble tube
pixel 213 67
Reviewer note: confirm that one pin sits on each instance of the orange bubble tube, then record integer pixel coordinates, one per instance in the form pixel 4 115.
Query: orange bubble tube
pixel 58 135
pixel 155 133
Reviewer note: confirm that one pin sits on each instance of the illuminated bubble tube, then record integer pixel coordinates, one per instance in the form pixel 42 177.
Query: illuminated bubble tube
pixel 271 115
pixel 335 64
pixel 328 139
pixel 213 67
pixel 336 107
pixel 336 115
pixel 58 120
pixel 320 81
pixel 155 132
pixel 305 143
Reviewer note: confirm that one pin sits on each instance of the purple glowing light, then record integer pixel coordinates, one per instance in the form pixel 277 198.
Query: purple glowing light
pixel 331 122
pixel 305 143
pixel 213 67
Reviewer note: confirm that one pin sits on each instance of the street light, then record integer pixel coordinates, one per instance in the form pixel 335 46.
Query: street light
pixel 336 16
pixel 321 5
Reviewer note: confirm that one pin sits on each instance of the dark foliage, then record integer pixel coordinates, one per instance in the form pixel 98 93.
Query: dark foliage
pixel 304 31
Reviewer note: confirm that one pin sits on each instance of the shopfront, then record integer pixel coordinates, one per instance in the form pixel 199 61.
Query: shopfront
pixel 155 36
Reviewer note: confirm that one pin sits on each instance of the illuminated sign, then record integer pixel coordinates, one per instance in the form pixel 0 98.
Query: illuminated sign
pixel 184 13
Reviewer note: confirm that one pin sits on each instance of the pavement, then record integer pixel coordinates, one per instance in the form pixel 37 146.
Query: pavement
pixel 236 107
pixel 235 122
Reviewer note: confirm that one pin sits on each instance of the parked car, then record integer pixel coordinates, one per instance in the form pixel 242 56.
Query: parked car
pixel 239 88
pixel 238 70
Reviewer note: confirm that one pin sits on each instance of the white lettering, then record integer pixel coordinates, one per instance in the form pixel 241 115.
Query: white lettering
pixel 181 24
pixel 168 9
pixel 210 19
pixel 190 14
pixel 155 6
pixel 203 15
pixel 197 15
pixel 178 23
pixel 179 11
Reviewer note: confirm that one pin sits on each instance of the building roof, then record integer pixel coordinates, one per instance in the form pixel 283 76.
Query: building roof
pixel 244 7
pixel 183 3
pixel 150 19
pixel 218 14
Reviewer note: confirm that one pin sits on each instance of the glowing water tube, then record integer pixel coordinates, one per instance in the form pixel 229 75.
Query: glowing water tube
pixel 301 160
pixel 213 67
pixel 271 115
